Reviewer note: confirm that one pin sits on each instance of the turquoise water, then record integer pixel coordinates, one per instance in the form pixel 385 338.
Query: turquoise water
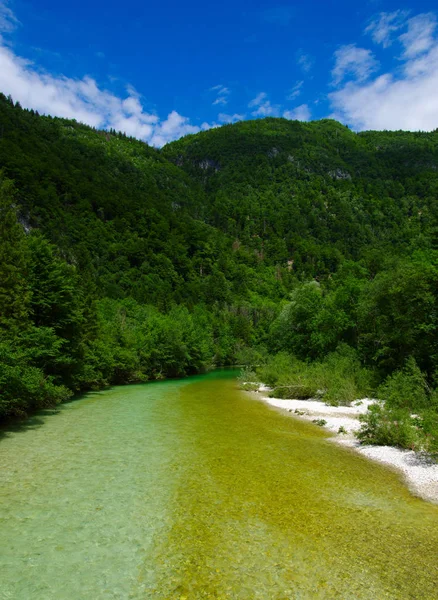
pixel 193 489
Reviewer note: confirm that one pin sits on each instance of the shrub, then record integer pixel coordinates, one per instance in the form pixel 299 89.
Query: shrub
pixel 251 357
pixel 385 426
pixel 406 388
pixel 280 369
pixel 296 391
pixel 343 377
pixel 247 374
pixel 249 386
pixel 339 379
pixel 427 422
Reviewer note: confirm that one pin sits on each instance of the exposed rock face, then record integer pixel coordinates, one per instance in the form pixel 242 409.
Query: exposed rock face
pixel 25 223
pixel 204 164
pixel 273 152
pixel 207 163
pixel 339 174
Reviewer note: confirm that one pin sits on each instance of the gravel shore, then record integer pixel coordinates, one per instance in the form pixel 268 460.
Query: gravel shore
pixel 419 472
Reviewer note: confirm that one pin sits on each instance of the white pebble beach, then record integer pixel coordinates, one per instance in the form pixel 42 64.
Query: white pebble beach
pixel 419 471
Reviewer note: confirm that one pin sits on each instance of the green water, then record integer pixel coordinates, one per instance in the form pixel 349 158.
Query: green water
pixel 192 489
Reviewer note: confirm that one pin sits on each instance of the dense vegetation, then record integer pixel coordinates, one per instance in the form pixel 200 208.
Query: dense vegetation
pixel 354 217
pixel 107 272
pixel 306 242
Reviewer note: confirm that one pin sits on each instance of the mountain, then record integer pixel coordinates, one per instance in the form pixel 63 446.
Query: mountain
pixel 314 193
pixel 120 262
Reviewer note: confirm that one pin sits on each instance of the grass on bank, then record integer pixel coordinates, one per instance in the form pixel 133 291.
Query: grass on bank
pixel 339 379
pixel 406 415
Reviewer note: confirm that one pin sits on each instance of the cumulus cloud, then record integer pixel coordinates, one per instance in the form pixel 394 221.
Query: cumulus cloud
pixel 353 61
pixel 263 107
pixel 174 127
pixel 384 25
pixel 407 99
pixel 224 118
pixel 83 100
pixel 300 113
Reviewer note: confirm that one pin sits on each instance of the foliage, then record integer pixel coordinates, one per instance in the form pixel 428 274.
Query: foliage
pixel 13 288
pixel 303 241
pixel 23 386
pixel 308 195
pixel 393 422
pixel 389 427
pixel 251 357
pixel 338 379
pixel 398 314
pixel 406 388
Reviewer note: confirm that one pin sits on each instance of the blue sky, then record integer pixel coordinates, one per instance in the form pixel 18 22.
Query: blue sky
pixel 159 70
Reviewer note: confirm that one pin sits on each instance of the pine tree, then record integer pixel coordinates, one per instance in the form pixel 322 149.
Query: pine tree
pixel 14 293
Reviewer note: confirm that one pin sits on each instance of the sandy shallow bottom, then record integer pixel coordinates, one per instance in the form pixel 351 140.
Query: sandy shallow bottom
pixel 193 489
pixel 419 472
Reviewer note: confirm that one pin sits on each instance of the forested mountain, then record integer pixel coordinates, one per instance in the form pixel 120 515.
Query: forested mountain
pixel 115 208
pixel 314 193
pixel 120 262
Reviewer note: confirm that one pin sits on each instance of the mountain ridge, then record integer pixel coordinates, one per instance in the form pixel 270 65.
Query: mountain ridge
pixel 120 262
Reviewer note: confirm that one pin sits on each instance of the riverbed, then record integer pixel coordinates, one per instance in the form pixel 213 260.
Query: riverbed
pixel 193 489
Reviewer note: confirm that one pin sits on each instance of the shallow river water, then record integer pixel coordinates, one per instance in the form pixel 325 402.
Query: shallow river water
pixel 192 489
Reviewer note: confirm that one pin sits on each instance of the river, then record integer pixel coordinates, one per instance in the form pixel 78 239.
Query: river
pixel 192 489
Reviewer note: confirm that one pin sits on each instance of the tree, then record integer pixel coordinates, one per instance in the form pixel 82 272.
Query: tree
pixel 14 292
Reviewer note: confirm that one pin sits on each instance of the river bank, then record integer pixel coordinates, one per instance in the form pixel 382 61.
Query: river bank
pixel 418 470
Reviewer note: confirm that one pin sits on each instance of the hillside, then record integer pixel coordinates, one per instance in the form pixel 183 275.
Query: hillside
pixel 120 262
pixel 114 207
pixel 313 193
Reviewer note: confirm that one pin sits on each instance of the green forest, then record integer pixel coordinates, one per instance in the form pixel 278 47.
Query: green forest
pixel 305 251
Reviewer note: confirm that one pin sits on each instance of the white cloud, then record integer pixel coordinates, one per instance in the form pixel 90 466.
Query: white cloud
pixel 296 90
pixel 305 61
pixel 174 127
pixel 83 100
pixel 259 99
pixel 405 100
pixel 353 61
pixel 263 107
pixel 222 94
pixel 220 100
pixel 300 113
pixel 419 37
pixel 8 21
pixel 224 118
pixel 265 110
pixel 384 25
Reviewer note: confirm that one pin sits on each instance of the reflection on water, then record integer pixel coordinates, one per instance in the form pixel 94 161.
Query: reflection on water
pixel 191 489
